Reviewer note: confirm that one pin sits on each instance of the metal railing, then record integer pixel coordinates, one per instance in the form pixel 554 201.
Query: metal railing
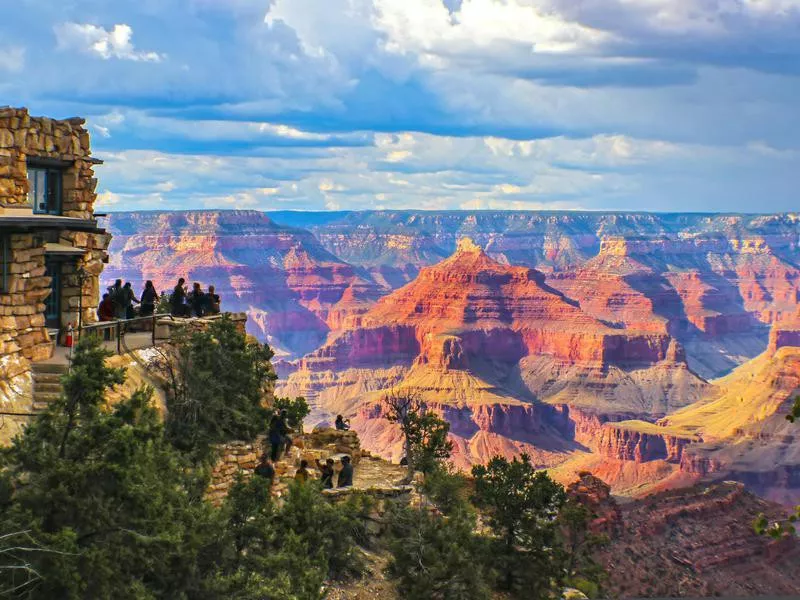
pixel 122 326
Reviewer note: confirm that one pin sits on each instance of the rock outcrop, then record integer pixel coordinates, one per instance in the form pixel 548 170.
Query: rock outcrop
pixel 640 442
pixel 595 494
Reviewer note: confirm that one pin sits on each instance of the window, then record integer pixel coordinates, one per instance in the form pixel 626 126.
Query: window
pixel 5 261
pixel 44 191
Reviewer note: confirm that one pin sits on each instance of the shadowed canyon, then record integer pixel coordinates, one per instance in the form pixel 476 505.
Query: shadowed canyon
pixel 654 350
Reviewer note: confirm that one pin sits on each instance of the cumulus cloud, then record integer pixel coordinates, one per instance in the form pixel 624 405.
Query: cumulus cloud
pixel 12 59
pixel 107 44
pixel 600 172
pixel 424 103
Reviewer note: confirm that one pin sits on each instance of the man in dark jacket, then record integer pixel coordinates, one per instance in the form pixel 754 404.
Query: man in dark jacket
pixel 265 469
pixel 346 474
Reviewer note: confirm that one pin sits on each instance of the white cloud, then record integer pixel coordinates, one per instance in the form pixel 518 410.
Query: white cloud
pixel 107 44
pixel 427 27
pixel 611 172
pixel 165 186
pixel 12 59
pixel 103 131
pixel 106 199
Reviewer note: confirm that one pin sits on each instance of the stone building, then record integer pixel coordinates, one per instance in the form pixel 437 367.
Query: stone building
pixel 51 248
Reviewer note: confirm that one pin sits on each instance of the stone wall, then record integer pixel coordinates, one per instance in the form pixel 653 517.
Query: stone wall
pixel 242 457
pixel 73 295
pixel 23 336
pixel 235 458
pixel 23 137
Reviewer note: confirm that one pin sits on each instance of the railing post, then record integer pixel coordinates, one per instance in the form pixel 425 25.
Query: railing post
pixel 154 328
pixel 119 337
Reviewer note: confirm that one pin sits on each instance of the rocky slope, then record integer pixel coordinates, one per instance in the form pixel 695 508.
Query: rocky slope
pixel 293 290
pixel 699 542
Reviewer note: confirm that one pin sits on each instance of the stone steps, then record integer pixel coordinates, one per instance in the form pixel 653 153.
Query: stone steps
pixel 47 386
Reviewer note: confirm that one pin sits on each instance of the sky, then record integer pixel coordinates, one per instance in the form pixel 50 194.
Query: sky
pixel 659 105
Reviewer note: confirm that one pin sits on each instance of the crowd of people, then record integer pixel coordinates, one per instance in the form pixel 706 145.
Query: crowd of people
pixel 280 441
pixel 118 303
pixel 194 303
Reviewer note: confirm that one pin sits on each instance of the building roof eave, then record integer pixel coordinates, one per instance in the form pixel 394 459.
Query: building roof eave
pixel 24 224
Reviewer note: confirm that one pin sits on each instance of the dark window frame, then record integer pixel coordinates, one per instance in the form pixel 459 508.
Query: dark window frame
pixel 5 261
pixel 54 300
pixel 52 173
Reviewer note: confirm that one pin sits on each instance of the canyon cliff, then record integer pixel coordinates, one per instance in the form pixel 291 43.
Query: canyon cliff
pixel 715 282
pixel 589 340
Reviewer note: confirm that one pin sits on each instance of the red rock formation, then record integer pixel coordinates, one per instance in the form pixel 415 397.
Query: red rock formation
pixel 624 441
pixel 784 335
pixel 595 495
pixel 506 312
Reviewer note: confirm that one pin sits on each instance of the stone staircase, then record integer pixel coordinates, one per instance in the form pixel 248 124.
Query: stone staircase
pixel 46 384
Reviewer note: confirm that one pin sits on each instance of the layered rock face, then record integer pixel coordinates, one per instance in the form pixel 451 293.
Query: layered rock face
pixel 293 290
pixel 506 313
pixel 480 341
pixel 712 281
pixel 737 431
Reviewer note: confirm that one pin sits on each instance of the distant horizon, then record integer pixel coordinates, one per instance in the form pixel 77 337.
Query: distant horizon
pixel 452 210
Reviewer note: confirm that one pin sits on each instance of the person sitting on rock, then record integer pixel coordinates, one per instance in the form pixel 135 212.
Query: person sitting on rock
pixel 346 474
pixel 265 468
pixel 326 469
pixel 212 301
pixel 302 474
pixel 342 424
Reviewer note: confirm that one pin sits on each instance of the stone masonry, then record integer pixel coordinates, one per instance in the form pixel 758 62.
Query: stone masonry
pixel 23 335
pixel 23 137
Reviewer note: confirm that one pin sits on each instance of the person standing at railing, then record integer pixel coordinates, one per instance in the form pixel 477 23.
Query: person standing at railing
pixel 178 299
pixel 197 300
pixel 128 299
pixel 105 312
pixel 149 300
pixel 117 297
